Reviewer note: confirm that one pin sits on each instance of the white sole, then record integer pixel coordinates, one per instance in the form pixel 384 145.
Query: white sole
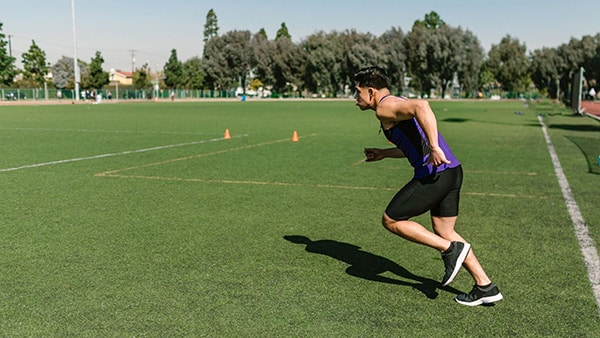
pixel 480 301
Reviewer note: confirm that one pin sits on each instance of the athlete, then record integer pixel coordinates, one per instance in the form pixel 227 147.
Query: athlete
pixel 412 127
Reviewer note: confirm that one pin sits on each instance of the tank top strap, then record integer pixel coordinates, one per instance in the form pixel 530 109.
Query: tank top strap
pixel 383 98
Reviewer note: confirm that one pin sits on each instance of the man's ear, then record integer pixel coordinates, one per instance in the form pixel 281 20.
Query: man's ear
pixel 370 93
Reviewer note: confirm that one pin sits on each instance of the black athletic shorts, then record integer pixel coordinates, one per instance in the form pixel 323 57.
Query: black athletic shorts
pixel 438 193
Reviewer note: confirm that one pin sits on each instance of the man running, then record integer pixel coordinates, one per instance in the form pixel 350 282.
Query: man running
pixel 412 127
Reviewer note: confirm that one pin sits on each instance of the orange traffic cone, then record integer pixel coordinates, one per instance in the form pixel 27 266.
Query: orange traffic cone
pixel 295 136
pixel 227 136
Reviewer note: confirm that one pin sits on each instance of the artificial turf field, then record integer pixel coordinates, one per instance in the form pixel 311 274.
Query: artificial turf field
pixel 140 220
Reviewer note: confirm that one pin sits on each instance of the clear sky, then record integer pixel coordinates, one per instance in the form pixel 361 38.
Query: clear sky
pixel 149 29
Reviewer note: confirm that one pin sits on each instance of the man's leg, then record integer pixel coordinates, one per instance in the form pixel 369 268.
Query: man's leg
pixel 415 232
pixel 444 227
pixel 453 252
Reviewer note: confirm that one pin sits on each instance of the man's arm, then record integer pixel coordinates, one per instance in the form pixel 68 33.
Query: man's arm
pixel 397 110
pixel 426 118
pixel 376 154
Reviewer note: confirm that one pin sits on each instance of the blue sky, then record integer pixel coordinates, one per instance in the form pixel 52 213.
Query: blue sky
pixel 152 28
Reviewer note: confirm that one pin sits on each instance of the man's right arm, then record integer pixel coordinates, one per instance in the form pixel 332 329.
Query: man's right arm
pixel 376 154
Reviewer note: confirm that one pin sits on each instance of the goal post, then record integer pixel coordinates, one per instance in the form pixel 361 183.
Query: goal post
pixel 576 91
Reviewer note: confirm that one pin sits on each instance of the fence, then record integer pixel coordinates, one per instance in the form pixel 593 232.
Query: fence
pixel 10 94
pixel 116 93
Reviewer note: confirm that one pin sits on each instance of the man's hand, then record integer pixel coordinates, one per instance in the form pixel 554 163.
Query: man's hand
pixel 437 157
pixel 374 154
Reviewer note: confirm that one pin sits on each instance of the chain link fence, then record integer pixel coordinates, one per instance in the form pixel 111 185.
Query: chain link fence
pixel 18 94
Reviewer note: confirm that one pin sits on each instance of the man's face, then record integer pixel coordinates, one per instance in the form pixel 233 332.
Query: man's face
pixel 362 97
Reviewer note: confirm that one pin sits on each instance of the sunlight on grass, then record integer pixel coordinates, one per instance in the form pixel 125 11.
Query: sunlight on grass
pixel 261 236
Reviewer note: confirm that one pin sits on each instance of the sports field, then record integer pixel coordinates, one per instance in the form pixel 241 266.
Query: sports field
pixel 140 220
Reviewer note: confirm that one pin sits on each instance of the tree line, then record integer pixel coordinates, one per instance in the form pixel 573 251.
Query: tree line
pixel 433 57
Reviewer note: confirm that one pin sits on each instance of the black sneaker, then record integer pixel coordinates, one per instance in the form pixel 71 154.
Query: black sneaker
pixel 480 295
pixel 453 259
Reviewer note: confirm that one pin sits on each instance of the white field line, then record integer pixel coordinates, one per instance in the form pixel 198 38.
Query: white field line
pixel 586 243
pixel 592 116
pixel 28 166
pixel 106 131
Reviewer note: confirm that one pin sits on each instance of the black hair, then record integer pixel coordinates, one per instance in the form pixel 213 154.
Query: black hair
pixel 372 76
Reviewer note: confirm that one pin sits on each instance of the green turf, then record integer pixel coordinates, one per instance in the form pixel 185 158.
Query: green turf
pixel 258 236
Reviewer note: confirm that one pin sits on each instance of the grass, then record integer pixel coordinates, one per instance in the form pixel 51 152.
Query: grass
pixel 259 236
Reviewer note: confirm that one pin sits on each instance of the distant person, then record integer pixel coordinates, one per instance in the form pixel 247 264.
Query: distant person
pixel 412 127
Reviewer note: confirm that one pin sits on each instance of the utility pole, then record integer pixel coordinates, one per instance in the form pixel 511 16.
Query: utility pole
pixel 133 61
pixel 9 46
pixel 75 63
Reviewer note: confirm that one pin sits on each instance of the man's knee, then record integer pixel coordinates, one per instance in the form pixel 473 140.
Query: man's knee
pixel 388 222
pixel 385 221
pixel 444 226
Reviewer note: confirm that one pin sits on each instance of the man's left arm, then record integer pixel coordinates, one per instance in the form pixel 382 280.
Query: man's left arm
pixel 426 118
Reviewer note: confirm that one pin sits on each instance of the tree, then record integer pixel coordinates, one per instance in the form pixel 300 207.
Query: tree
pixel 431 21
pixel 593 63
pixel 214 64
pixel 262 54
pixel 394 57
pixel 589 50
pixel 237 55
pixel 416 55
pixel 487 81
pixel 323 63
pixel 256 84
pixel 226 60
pixel 211 27
pixel 420 47
pixel 173 71
pixel 35 67
pixel 438 53
pixel 356 50
pixel 8 70
pixel 96 77
pixel 509 64
pixel 593 72
pixel 447 45
pixel 63 74
pixel 192 74
pixel 579 53
pixel 141 77
pixel 287 66
pixel 263 33
pixel 545 67
pixel 470 62
pixel 282 33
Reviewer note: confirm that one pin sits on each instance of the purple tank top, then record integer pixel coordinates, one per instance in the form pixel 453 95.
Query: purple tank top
pixel 409 137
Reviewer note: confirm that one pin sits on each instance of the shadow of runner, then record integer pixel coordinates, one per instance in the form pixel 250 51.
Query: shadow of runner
pixel 370 266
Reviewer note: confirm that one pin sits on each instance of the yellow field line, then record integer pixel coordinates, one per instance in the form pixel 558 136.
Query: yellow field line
pixel 492 172
pixel 110 172
pixel 115 174
pixel 289 184
pixel 204 180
